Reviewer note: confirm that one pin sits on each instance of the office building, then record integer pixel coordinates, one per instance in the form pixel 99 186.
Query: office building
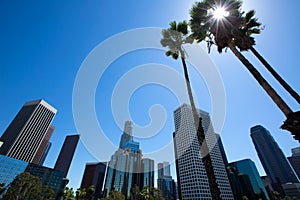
pixel 10 168
pixel 295 160
pixel 191 174
pixel 126 168
pixel 66 154
pixel 49 177
pixel 94 174
pixel 43 151
pixel 272 158
pixel 147 172
pixel 237 172
pixel 127 134
pixel 165 182
pixel 292 189
pixel 24 136
pixel 44 156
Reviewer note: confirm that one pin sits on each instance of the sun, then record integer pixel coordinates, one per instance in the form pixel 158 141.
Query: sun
pixel 219 13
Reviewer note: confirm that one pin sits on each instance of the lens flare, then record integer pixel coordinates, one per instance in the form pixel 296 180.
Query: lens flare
pixel 219 13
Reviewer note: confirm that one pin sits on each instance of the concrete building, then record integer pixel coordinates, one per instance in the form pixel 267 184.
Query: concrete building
pixel 23 138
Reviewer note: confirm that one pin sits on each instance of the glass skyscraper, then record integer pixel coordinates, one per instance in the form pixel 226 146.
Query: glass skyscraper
pixel 191 174
pixel 10 168
pixel 247 167
pixel 23 139
pixel 273 160
pixel 126 168
pixel 165 182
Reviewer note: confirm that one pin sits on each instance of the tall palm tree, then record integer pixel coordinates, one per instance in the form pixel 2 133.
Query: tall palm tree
pixel 223 33
pixel 245 41
pixel 174 38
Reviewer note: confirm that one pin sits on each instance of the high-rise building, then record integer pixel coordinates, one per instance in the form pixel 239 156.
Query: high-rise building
pixel 191 174
pixel 295 160
pixel 94 174
pixel 292 190
pixel 246 167
pixel 127 134
pixel 66 154
pixel 10 168
pixel 42 153
pixel 45 153
pixel 147 172
pixel 50 177
pixel 126 168
pixel 165 182
pixel 25 135
pixel 272 158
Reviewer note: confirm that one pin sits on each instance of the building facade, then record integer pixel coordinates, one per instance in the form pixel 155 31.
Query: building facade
pixel 66 154
pixel 44 148
pixel 25 135
pixel 246 167
pixel 295 160
pixel 165 182
pixel 126 168
pixel 49 177
pixel 191 174
pixel 272 158
pixel 94 174
pixel 10 168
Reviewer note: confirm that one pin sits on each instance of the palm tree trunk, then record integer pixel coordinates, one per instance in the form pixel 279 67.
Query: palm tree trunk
pixel 206 158
pixel 284 84
pixel 264 84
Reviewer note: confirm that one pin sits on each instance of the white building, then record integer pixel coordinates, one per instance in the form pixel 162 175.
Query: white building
pixel 191 174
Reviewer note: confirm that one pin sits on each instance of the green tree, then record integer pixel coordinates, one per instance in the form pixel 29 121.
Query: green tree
pixel 47 193
pixel 114 195
pixel 24 186
pixel 174 38
pixel 134 192
pixel 226 33
pixel 150 193
pixel 90 192
pixel 2 188
pixel 68 194
pixel 80 194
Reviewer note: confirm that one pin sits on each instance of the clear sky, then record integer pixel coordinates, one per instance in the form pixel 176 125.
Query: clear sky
pixel 43 44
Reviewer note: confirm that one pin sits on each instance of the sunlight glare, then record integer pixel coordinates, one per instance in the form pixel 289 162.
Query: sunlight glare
pixel 220 13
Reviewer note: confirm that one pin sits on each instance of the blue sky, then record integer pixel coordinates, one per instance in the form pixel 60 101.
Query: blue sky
pixel 43 44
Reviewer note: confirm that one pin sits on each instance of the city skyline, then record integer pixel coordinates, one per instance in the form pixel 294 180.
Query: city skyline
pixel 44 45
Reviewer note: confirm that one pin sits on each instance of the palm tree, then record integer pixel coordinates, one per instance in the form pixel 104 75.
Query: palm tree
pixel 174 38
pixel 223 33
pixel 245 41
pixel 80 194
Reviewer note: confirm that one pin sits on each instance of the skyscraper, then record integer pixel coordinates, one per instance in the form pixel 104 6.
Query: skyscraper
pixel 94 174
pixel 66 154
pixel 295 160
pixel 24 136
pixel 273 160
pixel 247 167
pixel 125 165
pixel 147 172
pixel 127 134
pixel 43 147
pixel 126 168
pixel 165 182
pixel 191 174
